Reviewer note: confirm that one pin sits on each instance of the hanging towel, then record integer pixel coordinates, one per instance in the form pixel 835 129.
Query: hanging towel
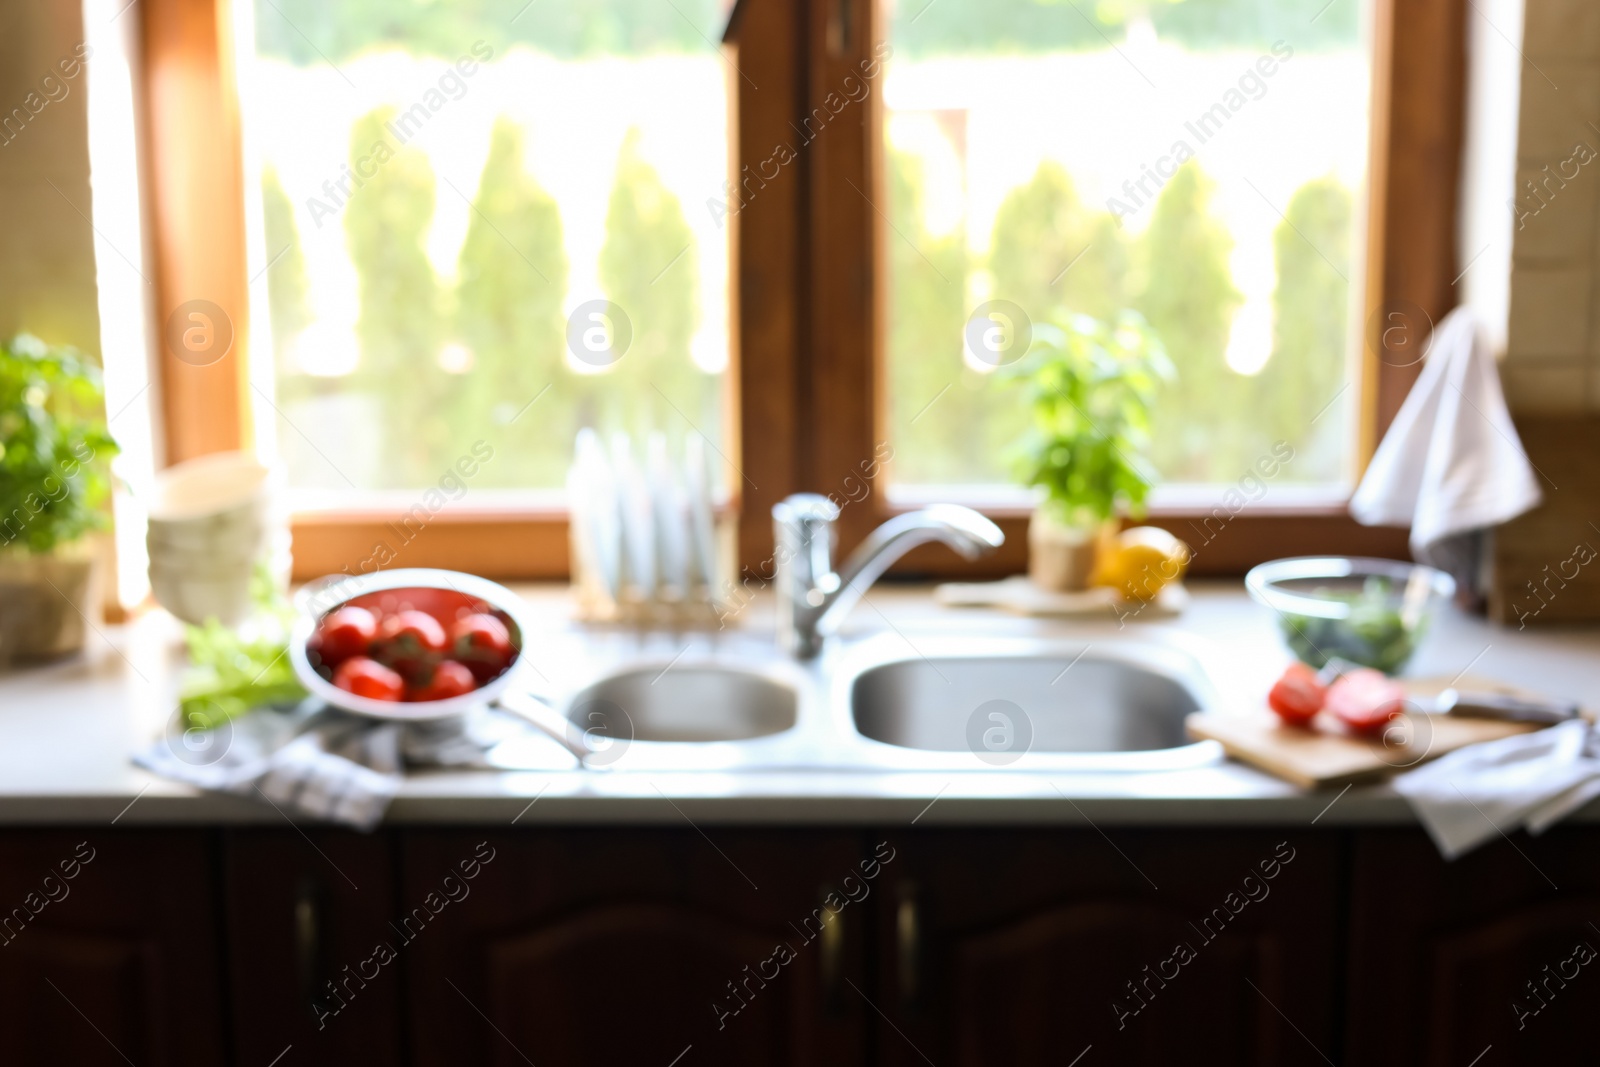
pixel 1451 466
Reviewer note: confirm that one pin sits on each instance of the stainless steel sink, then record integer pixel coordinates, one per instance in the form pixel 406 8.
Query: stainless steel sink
pixel 889 702
pixel 676 702
pixel 1099 705
pixel 1117 706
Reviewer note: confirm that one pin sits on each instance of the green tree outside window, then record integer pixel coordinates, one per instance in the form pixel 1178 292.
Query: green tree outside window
pixel 648 268
pixel 401 326
pixel 513 281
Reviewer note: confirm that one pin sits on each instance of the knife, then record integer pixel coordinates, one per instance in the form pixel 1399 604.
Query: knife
pixel 1506 708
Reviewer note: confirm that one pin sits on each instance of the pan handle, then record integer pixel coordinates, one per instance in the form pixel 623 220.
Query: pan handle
pixel 546 720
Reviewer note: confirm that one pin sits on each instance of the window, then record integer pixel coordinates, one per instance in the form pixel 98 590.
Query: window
pixel 798 284
pixel 481 229
pixel 1202 162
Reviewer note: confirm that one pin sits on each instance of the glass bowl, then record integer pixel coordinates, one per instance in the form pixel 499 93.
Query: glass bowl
pixel 1371 612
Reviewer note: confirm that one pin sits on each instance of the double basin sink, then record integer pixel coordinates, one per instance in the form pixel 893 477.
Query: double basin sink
pixel 888 703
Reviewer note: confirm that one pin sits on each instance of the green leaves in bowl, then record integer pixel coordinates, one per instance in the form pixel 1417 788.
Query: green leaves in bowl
pixel 1373 634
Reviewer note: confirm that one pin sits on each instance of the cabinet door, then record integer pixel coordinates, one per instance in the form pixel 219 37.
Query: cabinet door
pixel 606 946
pixel 1495 949
pixel 303 912
pixel 1032 947
pixel 107 948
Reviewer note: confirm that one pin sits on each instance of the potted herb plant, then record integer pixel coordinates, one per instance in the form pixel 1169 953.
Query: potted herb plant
pixel 55 455
pixel 1090 386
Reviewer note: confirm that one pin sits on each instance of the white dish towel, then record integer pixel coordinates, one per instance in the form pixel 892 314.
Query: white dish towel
pixel 1528 780
pixel 1451 466
pixel 316 761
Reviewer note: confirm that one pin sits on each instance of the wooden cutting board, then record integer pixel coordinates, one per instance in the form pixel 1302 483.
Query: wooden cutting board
pixel 1327 755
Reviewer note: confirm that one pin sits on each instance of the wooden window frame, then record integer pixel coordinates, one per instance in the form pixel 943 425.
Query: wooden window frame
pixel 805 374
pixel 1417 126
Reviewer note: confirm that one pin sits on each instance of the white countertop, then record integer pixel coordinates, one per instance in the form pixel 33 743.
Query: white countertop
pixel 67 730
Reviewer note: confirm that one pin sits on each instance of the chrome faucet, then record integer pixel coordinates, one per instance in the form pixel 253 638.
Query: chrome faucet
pixel 813 598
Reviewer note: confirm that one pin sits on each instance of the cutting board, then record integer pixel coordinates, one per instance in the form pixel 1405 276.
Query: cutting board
pixel 1327 755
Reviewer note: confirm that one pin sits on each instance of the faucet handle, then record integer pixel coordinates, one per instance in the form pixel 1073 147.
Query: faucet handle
pixel 806 510
pixel 804 524
pixel 804 528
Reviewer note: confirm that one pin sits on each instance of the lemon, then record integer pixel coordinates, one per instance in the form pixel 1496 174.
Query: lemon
pixel 1140 562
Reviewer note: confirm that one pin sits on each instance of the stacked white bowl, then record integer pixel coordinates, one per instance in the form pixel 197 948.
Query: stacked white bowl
pixel 212 520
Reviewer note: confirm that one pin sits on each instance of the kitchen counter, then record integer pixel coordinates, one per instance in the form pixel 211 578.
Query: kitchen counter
pixel 67 730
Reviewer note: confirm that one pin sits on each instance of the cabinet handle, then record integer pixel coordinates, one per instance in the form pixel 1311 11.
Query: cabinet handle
pixel 908 944
pixel 831 953
pixel 309 940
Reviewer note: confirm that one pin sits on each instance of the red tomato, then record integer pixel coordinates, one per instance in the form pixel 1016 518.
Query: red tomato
pixel 483 643
pixel 368 678
pixel 414 627
pixel 410 641
pixel 450 679
pixel 1297 696
pixel 1364 700
pixel 342 634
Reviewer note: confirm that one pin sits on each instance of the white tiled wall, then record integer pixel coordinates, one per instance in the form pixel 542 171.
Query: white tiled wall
pixel 47 253
pixel 1553 350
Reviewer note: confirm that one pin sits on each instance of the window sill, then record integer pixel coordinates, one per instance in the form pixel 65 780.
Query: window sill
pixel 523 544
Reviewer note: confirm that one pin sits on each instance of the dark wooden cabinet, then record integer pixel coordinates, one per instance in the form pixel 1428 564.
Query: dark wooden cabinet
pixel 1031 947
pixel 1497 953
pixel 608 946
pixel 109 949
pixel 718 945
pixel 304 912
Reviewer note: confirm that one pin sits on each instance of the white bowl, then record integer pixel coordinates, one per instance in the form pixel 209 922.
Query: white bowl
pixel 213 557
pixel 237 529
pixel 194 598
pixel 195 587
pixel 236 532
pixel 224 502
pixel 210 485
pixel 210 520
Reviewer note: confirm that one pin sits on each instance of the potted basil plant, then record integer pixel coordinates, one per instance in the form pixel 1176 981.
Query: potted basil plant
pixel 55 455
pixel 1090 387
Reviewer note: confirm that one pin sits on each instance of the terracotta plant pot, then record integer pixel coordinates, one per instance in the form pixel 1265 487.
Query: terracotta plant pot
pixel 45 602
pixel 1061 557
